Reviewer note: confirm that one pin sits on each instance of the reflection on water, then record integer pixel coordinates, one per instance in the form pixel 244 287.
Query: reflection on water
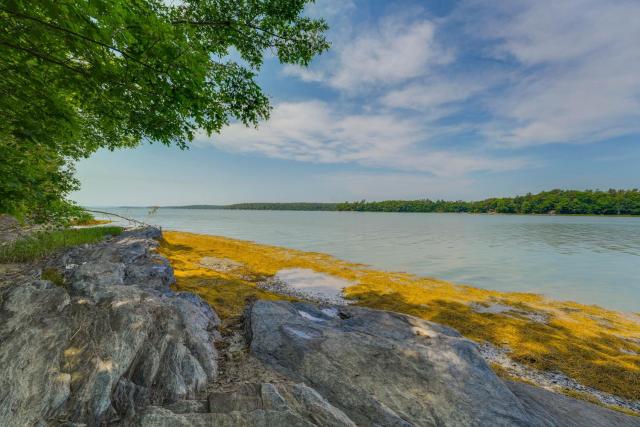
pixel 593 260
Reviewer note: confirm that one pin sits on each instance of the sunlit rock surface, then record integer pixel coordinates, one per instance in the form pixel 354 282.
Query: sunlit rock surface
pixel 114 338
pixel 384 368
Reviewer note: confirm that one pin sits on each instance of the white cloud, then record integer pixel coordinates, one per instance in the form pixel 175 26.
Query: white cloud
pixel 567 72
pixel 316 132
pixel 394 51
pixel 434 95
pixel 579 61
pixel 303 73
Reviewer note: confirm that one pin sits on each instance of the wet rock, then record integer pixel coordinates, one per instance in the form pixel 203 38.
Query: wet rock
pixel 114 339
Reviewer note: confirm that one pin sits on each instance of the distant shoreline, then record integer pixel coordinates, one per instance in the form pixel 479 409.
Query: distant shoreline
pixel 223 208
pixel 555 202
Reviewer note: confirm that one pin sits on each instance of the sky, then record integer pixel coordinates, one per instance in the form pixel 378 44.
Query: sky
pixel 418 99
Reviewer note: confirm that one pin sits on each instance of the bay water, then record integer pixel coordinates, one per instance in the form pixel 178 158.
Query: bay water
pixel 591 260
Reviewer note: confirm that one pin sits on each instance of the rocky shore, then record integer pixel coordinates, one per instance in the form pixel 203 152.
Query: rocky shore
pixel 112 344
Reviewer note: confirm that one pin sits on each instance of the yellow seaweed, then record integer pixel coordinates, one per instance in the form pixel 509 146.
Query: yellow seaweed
pixel 599 348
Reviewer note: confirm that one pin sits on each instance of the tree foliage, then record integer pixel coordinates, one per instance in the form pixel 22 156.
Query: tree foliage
pixel 77 76
pixel 611 202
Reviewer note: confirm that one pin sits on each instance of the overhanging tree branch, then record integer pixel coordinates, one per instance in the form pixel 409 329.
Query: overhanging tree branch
pixel 44 57
pixel 81 36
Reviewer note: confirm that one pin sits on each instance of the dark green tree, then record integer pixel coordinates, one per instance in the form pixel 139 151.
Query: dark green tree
pixel 76 76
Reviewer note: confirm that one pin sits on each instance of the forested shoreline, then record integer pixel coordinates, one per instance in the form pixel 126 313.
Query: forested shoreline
pixel 566 202
pixel 559 202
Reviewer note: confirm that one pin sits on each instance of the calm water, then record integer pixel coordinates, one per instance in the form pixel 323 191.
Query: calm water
pixel 593 260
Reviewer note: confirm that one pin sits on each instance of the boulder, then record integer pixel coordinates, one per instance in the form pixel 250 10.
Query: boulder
pixel 251 404
pixel 556 409
pixel 114 339
pixel 389 369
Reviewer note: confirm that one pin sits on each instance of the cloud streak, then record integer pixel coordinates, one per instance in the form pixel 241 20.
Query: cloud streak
pixel 578 62
pixel 396 50
pixel 315 132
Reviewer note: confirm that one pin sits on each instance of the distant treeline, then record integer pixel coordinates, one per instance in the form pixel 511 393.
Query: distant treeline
pixel 589 202
pixel 301 206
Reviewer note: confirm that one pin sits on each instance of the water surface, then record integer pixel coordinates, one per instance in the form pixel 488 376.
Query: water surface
pixel 593 260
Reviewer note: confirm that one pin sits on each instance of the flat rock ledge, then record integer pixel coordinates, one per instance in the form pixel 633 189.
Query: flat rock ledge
pixel 115 345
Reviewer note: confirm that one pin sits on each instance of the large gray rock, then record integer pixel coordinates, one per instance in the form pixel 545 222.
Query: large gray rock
pixel 383 367
pixel 114 339
pixel 388 369
pixel 252 404
pixel 567 412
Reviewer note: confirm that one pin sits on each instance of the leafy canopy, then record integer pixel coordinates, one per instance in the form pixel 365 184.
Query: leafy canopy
pixel 78 75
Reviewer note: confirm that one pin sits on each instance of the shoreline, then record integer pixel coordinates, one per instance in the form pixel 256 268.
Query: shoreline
pixel 564 343
pixel 384 212
pixel 207 315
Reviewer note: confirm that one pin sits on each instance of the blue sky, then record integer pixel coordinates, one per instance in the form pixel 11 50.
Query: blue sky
pixel 438 99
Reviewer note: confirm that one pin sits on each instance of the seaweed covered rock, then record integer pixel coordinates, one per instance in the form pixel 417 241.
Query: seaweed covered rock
pixel 113 339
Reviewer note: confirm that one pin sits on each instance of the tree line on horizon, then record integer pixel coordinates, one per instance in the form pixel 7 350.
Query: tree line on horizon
pixel 566 202
pixel 562 202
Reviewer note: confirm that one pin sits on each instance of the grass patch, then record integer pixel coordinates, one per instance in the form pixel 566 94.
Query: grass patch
pixel 47 242
pixel 91 221
pixel 54 276
pixel 594 346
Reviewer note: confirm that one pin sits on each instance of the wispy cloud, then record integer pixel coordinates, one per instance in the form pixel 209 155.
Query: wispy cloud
pixel 570 68
pixel 397 49
pixel 579 64
pixel 434 95
pixel 315 131
pixel 303 73
pixel 563 72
